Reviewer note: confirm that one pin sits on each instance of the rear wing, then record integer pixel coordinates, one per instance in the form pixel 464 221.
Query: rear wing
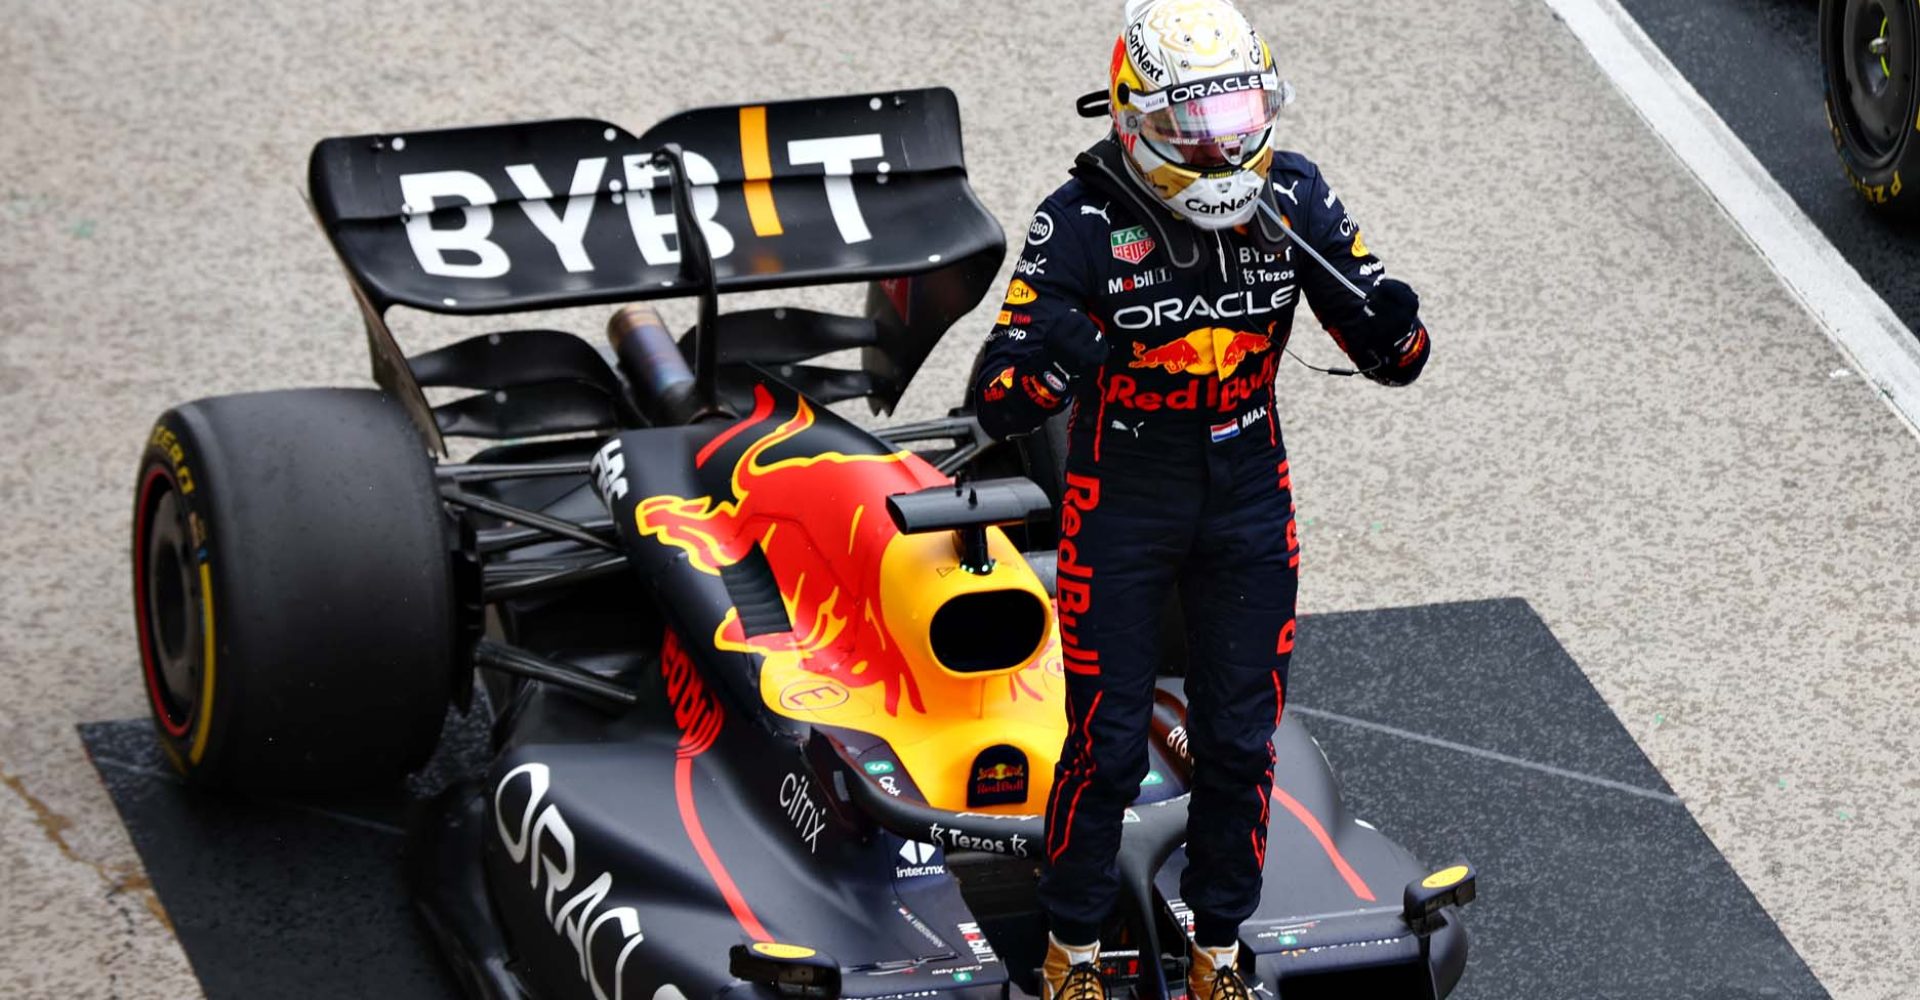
pixel 576 212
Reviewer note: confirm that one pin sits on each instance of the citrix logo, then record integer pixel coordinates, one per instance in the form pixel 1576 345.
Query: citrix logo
pixel 808 819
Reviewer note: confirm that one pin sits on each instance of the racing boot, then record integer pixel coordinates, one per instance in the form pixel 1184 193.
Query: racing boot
pixel 1213 974
pixel 1069 973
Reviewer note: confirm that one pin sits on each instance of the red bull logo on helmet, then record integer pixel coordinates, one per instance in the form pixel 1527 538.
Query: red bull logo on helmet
pixel 1207 351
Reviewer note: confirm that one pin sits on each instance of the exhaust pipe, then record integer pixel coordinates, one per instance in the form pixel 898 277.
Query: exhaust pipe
pixel 662 382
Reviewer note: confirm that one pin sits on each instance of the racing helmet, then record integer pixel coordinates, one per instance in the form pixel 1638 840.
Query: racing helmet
pixel 1195 94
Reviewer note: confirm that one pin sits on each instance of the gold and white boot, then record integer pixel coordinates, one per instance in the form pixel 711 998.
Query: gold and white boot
pixel 1213 974
pixel 1071 972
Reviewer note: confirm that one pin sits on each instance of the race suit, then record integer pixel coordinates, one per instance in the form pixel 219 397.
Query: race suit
pixel 1176 477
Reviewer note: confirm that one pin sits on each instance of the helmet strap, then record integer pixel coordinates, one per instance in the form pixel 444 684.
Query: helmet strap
pixel 1106 167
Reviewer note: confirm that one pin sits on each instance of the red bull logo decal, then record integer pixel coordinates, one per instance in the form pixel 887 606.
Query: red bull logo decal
pixel 790 508
pixel 848 582
pixel 999 776
pixel 695 712
pixel 1206 351
pixel 997 389
pixel 1220 395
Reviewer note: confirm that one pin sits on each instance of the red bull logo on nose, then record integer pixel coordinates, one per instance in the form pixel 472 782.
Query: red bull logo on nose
pixel 1207 351
pixel 999 777
pixel 789 483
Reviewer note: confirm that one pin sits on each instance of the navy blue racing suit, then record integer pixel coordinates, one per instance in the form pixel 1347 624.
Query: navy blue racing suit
pixel 1176 478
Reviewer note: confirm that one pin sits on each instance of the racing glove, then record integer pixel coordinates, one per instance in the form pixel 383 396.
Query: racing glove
pixel 1394 349
pixel 1076 346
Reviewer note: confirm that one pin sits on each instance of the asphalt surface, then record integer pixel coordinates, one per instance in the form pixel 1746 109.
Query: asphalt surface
pixel 1577 838
pixel 1757 62
pixel 1722 539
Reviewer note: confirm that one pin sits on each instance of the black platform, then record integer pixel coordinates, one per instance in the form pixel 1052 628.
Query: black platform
pixel 1459 729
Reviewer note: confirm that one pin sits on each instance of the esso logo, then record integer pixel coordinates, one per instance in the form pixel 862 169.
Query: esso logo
pixel 1040 229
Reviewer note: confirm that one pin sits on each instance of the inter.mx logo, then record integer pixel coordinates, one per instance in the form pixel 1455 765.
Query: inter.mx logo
pixel 918 858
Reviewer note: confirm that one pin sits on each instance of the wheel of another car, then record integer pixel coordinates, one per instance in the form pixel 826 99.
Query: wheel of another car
pixel 293 591
pixel 1868 51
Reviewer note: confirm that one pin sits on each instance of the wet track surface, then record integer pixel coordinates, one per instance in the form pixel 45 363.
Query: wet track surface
pixel 1592 871
pixel 1757 62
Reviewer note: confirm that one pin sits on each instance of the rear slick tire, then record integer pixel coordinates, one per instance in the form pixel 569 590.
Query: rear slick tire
pixel 293 591
pixel 1870 68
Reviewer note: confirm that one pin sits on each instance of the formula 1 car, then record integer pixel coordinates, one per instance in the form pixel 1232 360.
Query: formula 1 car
pixel 775 700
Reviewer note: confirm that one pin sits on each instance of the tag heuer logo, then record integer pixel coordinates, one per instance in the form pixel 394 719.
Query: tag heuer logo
pixel 1131 244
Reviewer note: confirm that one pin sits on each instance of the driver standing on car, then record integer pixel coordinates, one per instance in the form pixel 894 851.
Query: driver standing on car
pixel 1153 300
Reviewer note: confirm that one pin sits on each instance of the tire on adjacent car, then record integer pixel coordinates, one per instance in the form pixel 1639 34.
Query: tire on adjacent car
pixel 1870 58
pixel 293 590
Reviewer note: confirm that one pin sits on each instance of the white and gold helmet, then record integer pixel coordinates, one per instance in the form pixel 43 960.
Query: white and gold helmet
pixel 1195 95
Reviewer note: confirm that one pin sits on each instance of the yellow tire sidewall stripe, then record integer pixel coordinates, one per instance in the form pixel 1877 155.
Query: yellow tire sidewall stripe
pixel 205 724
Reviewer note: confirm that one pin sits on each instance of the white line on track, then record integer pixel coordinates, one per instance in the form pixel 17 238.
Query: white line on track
pixel 1849 310
pixel 1484 754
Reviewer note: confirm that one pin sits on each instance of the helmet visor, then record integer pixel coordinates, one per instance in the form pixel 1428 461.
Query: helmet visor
pixel 1210 122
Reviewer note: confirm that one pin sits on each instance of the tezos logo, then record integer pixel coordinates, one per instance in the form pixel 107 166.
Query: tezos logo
pixel 609 469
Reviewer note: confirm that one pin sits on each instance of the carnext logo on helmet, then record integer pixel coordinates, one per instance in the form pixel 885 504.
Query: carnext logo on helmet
pixel 1143 59
pixel 1220 208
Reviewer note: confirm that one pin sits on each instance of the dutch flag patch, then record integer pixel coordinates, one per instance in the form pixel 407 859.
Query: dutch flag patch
pixel 1226 431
